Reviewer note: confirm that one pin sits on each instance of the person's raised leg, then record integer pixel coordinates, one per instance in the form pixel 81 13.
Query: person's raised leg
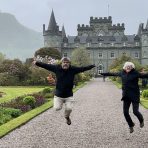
pixel 58 103
pixel 69 102
pixel 126 106
pixel 137 113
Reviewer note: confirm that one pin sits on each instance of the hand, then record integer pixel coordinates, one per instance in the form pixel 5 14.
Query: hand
pixel 93 65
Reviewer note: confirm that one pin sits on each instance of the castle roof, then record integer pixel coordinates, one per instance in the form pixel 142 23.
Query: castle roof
pixel 63 31
pixel 104 39
pixel 52 23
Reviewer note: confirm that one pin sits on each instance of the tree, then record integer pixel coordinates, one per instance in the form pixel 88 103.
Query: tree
pixel 80 57
pixel 47 52
pixel 118 63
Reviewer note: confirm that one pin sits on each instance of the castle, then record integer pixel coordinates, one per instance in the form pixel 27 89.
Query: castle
pixel 103 40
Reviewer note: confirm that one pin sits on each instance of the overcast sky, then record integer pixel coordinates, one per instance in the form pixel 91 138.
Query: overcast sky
pixel 35 13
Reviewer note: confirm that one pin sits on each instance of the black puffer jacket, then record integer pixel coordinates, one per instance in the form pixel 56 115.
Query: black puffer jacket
pixel 65 78
pixel 130 87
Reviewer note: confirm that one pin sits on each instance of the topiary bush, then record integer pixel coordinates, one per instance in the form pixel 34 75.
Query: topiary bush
pixel 29 100
pixel 4 118
pixel 145 94
pixel 6 114
pixel 46 90
pixel 13 112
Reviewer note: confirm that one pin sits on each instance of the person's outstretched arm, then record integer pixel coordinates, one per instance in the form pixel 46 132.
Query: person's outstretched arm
pixel 143 75
pixel 49 67
pixel 82 69
pixel 111 74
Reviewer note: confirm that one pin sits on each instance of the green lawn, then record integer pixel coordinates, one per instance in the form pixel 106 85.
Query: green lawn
pixel 13 92
pixel 17 122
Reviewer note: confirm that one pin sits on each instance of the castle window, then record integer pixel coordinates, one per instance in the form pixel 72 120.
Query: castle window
pixel 100 44
pixel 57 43
pixel 112 44
pixel 124 44
pixel 136 55
pixel 65 54
pixel 77 45
pixel 65 44
pixel 144 54
pixel 137 43
pixel 88 44
pixel 112 55
pixel 100 55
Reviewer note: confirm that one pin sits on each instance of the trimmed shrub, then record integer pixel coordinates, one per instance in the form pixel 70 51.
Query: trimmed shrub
pixel 29 100
pixel 145 94
pixel 46 90
pixel 4 118
pixel 13 112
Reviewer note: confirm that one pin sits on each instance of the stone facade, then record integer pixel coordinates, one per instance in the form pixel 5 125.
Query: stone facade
pixel 103 40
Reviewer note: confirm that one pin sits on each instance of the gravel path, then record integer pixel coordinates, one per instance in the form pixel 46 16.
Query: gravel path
pixel 97 122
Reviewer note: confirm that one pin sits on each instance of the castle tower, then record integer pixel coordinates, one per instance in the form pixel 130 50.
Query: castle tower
pixel 144 45
pixel 101 27
pixel 52 36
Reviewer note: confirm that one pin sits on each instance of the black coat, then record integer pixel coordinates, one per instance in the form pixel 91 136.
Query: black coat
pixel 65 78
pixel 130 87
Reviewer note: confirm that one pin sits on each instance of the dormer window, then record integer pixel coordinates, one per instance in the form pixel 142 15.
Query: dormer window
pixel 77 40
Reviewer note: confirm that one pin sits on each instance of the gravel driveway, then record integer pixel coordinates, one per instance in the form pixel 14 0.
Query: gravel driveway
pixel 97 122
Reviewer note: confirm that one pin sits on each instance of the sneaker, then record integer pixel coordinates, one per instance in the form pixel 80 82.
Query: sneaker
pixel 142 124
pixel 132 128
pixel 68 121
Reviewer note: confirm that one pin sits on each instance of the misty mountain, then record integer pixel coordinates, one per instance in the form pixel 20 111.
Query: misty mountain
pixel 16 40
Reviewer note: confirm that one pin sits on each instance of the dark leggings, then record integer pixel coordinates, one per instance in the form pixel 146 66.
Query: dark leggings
pixel 126 106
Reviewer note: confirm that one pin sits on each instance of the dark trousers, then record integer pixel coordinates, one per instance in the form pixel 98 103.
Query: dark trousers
pixel 126 106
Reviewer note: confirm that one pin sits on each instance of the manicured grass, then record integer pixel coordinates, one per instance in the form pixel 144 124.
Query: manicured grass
pixel 13 92
pixel 17 122
pixel 144 102
pixel 11 125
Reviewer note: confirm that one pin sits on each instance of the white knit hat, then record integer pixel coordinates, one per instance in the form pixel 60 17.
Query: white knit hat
pixel 127 64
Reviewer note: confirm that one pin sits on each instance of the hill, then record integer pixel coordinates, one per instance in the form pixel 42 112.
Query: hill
pixel 16 40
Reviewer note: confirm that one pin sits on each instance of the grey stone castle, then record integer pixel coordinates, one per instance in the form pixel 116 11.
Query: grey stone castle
pixel 103 40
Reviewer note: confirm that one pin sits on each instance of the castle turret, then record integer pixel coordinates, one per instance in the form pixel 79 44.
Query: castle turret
pixel 146 27
pixel 63 32
pixel 52 36
pixel 144 45
pixel 140 29
pixel 52 27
